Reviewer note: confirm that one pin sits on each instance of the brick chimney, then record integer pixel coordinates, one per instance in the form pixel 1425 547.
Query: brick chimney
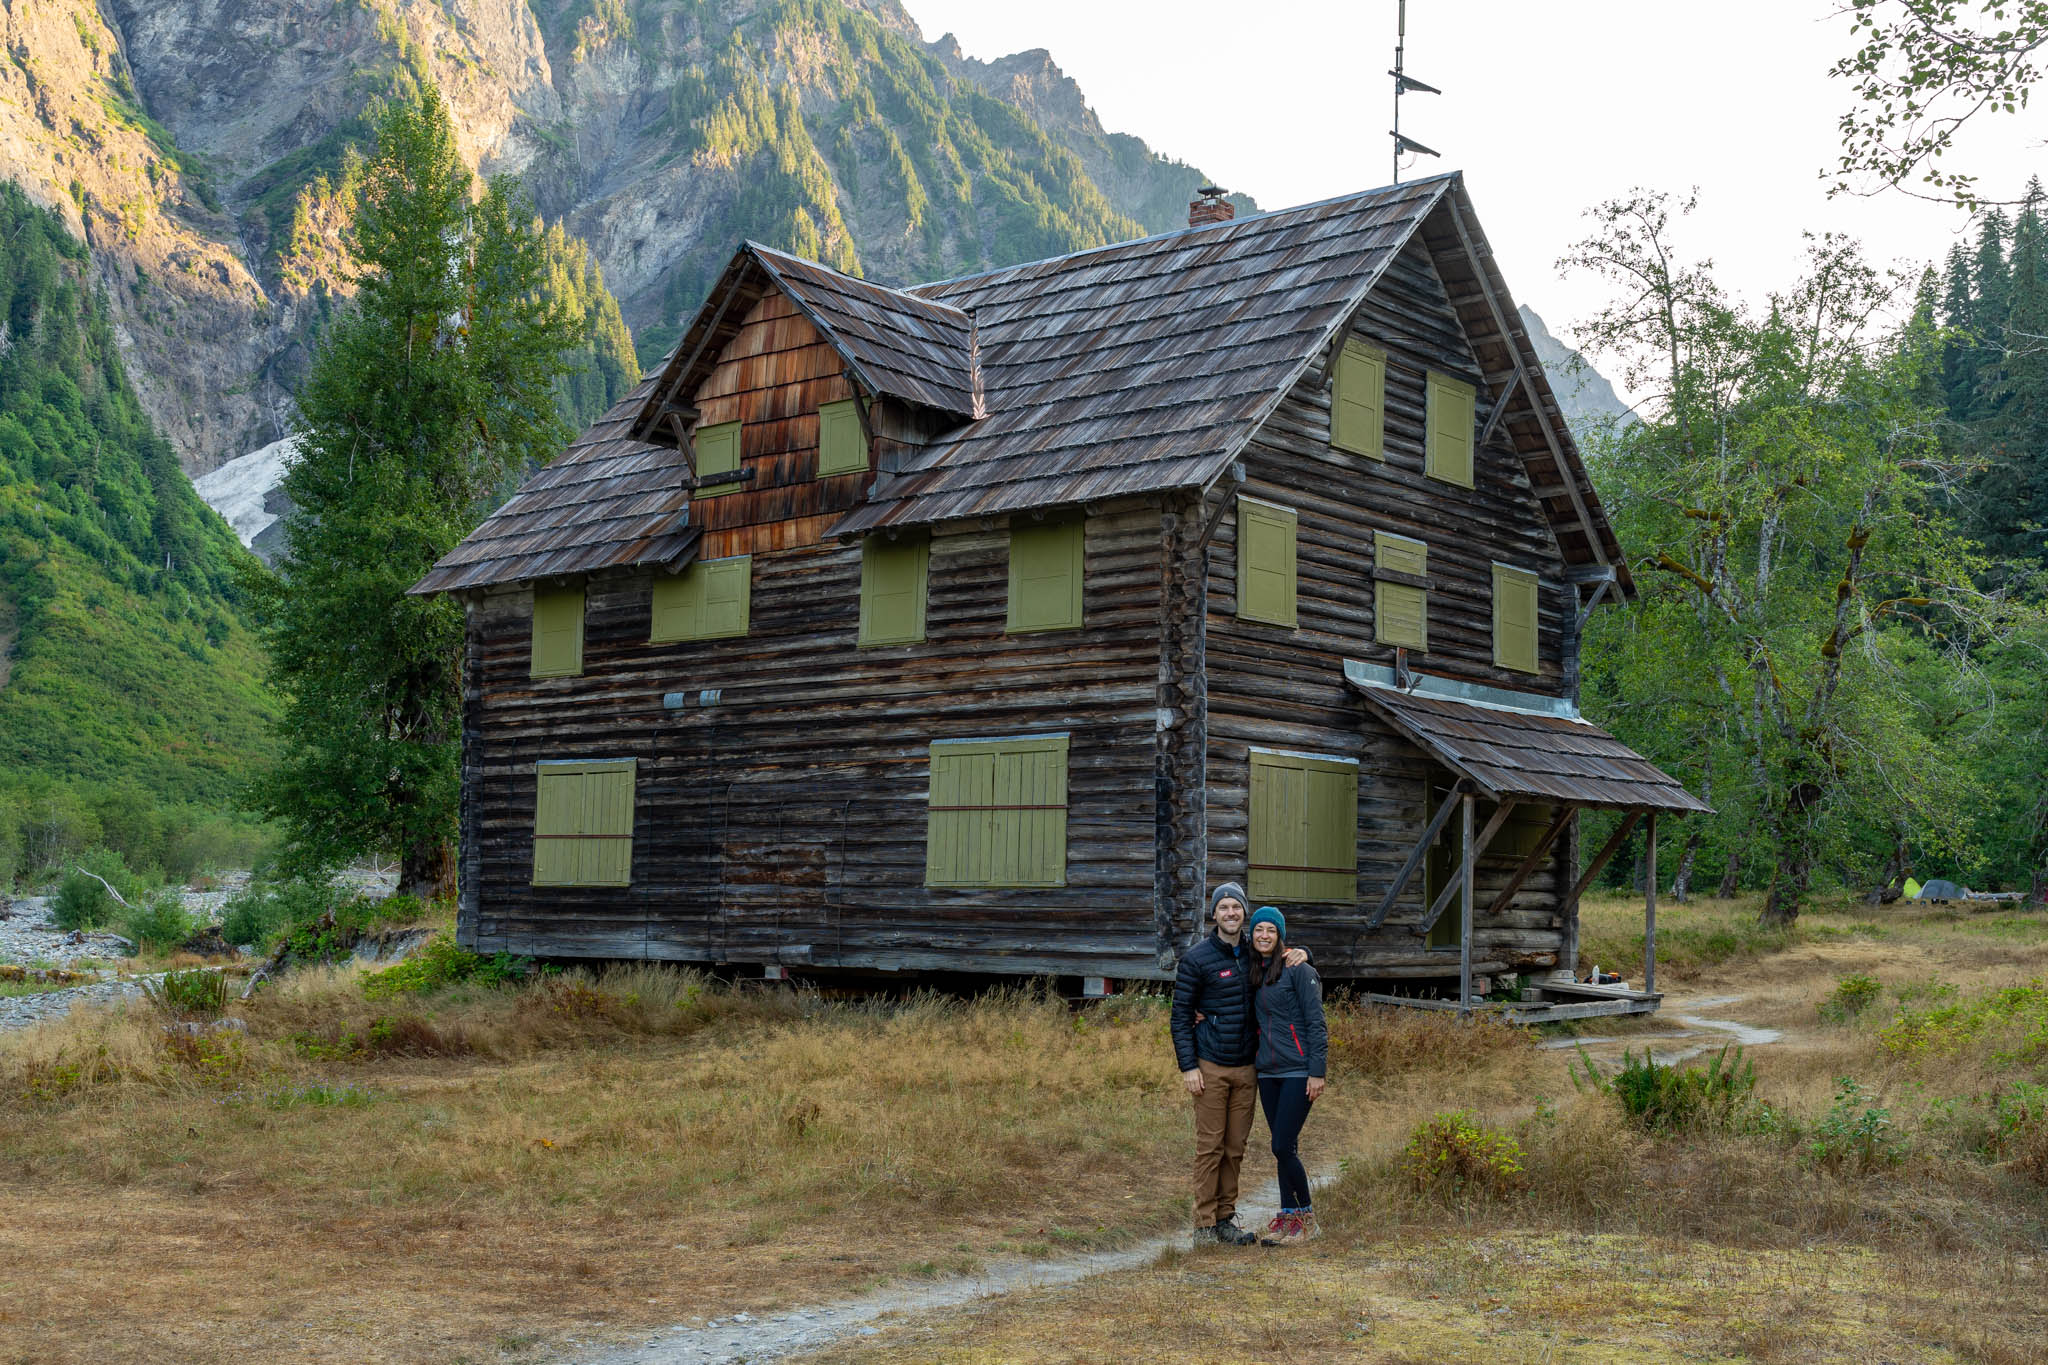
pixel 1211 207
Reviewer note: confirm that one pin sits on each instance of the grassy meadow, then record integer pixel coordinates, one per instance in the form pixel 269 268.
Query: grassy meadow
pixel 475 1172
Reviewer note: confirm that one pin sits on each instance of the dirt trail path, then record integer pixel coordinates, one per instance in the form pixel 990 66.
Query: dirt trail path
pixel 750 1338
pixel 1699 1032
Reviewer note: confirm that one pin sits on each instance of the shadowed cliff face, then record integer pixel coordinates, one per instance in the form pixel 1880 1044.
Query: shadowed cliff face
pixel 198 145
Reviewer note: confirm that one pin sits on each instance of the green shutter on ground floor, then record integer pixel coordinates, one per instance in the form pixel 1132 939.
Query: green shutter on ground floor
pixel 709 600
pixel 998 812
pixel 583 823
pixel 1304 828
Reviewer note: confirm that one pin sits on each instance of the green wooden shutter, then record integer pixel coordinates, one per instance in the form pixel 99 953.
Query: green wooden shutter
pixel 998 813
pixel 1400 610
pixel 718 452
pixel 842 446
pixel 893 576
pixel 1358 401
pixel 962 787
pixel 1451 418
pixel 1028 831
pixel 1045 575
pixel 1265 562
pixel 1304 829
pixel 557 633
pixel 709 600
pixel 1514 618
pixel 583 823
pixel 1332 873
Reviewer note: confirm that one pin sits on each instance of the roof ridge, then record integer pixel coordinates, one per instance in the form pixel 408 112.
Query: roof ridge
pixel 762 248
pixel 1218 227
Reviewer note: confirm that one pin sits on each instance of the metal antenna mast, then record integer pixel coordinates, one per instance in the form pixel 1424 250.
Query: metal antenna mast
pixel 1402 85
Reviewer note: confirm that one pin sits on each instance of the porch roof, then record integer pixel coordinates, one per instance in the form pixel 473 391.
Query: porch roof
pixel 1519 746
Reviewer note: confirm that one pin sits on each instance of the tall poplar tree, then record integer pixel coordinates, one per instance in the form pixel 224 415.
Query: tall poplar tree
pixel 427 392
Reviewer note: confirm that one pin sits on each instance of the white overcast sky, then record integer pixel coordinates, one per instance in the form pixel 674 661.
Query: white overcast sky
pixel 1547 108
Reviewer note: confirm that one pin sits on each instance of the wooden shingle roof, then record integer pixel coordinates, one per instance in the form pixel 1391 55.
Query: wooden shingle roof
pixel 608 501
pixel 1146 365
pixel 896 343
pixel 1138 367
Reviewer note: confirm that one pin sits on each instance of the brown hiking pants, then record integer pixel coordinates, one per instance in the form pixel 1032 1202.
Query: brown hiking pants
pixel 1223 1120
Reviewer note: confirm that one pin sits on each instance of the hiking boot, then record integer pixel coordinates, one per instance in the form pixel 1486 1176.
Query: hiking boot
pixel 1232 1233
pixel 1301 1227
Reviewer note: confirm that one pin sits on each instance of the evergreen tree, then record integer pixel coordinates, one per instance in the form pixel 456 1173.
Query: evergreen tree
pixel 1992 288
pixel 1959 354
pixel 2014 494
pixel 428 392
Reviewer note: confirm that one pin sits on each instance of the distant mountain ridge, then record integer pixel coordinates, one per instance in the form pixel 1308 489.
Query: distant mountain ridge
pixel 196 145
pixel 1585 396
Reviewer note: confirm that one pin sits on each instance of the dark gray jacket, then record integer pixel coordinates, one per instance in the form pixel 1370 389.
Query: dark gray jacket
pixel 1293 1039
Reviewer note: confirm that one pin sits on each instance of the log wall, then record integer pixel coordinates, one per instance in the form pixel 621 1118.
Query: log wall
pixel 1272 687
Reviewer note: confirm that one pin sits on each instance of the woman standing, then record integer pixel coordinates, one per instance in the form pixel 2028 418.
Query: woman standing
pixel 1293 1057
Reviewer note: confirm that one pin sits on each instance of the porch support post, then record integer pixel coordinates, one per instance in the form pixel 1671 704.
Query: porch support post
pixel 1650 910
pixel 1465 914
pixel 1415 857
pixel 1614 840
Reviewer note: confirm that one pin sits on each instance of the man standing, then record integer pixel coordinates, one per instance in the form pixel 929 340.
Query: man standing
pixel 1215 1040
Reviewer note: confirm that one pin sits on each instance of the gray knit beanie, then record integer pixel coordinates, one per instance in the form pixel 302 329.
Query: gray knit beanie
pixel 1231 889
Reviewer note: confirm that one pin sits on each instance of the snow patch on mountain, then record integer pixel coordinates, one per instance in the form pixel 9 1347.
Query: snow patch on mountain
pixel 239 489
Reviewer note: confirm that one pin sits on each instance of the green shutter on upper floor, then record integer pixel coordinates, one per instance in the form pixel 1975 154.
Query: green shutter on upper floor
pixel 706 601
pixel 718 452
pixel 1045 575
pixel 1451 415
pixel 842 445
pixel 997 813
pixel 1358 400
pixel 893 583
pixel 1304 828
pixel 1514 618
pixel 1400 610
pixel 1265 562
pixel 557 633
pixel 583 823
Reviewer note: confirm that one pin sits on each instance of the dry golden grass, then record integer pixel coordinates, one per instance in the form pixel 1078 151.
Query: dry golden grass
pixel 402 1179
pixel 434 1179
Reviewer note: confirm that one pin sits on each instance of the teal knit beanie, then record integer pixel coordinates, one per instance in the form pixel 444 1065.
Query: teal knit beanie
pixel 1266 914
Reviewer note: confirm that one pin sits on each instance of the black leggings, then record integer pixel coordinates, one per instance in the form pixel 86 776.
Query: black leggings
pixel 1285 1100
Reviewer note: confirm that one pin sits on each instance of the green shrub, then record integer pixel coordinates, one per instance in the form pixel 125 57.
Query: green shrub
pixel 159 923
pixel 260 914
pixel 1454 1156
pixel 439 962
pixel 83 898
pixel 198 991
pixel 1855 1134
pixel 1852 996
pixel 1668 1098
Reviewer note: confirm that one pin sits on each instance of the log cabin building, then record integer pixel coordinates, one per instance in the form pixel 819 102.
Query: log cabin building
pixel 982 626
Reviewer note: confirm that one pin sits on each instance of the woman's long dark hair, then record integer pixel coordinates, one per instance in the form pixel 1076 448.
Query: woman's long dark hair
pixel 1269 969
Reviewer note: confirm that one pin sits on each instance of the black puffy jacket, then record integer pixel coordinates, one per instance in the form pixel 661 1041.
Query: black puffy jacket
pixel 1215 981
pixel 1293 1037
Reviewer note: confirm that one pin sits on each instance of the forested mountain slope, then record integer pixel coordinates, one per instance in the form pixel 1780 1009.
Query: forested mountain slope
pixel 127 658
pixel 198 146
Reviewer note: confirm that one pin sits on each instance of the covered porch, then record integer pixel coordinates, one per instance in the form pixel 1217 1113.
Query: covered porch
pixel 1511 750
